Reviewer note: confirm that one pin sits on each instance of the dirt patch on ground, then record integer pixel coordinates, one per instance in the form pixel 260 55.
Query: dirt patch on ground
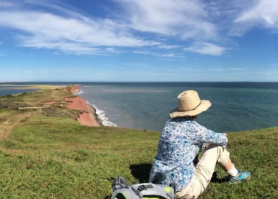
pixel 11 124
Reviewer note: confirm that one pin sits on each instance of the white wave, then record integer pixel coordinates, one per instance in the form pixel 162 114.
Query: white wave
pixel 112 90
pixel 101 116
pixel 78 92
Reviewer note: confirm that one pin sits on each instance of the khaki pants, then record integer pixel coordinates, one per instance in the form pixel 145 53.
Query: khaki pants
pixel 204 171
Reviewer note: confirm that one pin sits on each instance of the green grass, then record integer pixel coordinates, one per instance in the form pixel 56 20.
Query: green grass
pixel 58 158
pixel 55 157
pixel 37 98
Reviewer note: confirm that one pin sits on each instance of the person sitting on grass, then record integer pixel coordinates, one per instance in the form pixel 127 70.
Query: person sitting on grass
pixel 179 145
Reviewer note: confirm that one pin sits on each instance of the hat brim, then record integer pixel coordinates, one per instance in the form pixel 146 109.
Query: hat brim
pixel 205 104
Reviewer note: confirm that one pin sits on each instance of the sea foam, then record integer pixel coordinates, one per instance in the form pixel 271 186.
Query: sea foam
pixel 100 113
pixel 101 116
pixel 78 92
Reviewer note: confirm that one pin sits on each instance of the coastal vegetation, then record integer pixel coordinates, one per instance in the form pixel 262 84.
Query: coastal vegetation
pixel 46 153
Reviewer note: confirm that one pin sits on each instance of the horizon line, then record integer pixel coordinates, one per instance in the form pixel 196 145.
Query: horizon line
pixel 5 82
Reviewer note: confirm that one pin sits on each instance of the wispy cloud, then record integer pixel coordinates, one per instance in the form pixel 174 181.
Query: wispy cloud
pixel 72 33
pixel 207 48
pixel 263 12
pixel 143 24
pixel 167 46
pixel 183 18
pixel 156 54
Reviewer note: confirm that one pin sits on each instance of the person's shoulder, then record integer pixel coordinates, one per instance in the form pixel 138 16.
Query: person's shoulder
pixel 193 122
pixel 196 125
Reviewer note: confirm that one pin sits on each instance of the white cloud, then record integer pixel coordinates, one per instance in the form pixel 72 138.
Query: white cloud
pixel 168 46
pixel 183 18
pixel 156 54
pixel 168 55
pixel 264 12
pixel 69 34
pixel 67 47
pixel 207 49
pixel 72 32
pixel 144 52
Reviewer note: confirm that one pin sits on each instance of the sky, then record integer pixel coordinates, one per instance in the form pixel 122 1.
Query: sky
pixel 139 40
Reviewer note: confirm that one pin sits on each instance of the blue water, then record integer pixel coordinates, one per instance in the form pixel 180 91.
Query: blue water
pixel 235 106
pixel 10 90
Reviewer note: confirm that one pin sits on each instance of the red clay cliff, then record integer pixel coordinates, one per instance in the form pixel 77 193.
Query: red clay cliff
pixel 87 117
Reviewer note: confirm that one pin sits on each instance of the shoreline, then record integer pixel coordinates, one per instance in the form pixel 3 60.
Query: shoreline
pixel 89 116
pixel 93 112
pixel 101 116
pixel 96 114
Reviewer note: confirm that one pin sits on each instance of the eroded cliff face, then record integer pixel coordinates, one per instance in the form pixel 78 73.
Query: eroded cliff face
pixel 77 103
pixel 74 88
pixel 85 117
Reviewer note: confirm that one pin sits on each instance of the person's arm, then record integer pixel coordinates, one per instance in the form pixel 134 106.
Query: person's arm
pixel 205 136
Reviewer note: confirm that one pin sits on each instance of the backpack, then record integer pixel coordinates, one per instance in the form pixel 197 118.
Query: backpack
pixel 141 191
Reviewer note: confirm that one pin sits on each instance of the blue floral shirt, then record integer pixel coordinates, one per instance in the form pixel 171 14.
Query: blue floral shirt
pixel 179 144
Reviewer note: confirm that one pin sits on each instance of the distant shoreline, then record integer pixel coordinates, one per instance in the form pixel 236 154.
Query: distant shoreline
pixel 88 115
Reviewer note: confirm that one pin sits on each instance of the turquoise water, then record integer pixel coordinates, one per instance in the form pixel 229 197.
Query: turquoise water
pixel 235 106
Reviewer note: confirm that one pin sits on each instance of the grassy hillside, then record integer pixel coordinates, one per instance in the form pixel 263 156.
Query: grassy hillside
pixel 54 157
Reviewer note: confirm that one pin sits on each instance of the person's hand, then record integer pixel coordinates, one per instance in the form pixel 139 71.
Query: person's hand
pixel 207 145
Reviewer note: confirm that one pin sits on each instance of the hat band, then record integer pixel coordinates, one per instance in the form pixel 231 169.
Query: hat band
pixel 195 107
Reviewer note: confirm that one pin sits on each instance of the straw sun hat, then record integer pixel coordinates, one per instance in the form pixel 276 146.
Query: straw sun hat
pixel 189 104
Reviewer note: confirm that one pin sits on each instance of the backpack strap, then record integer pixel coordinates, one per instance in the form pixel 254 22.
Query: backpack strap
pixel 145 189
pixel 141 188
pixel 119 183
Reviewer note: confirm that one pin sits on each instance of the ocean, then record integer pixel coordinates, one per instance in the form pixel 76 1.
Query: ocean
pixel 235 107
